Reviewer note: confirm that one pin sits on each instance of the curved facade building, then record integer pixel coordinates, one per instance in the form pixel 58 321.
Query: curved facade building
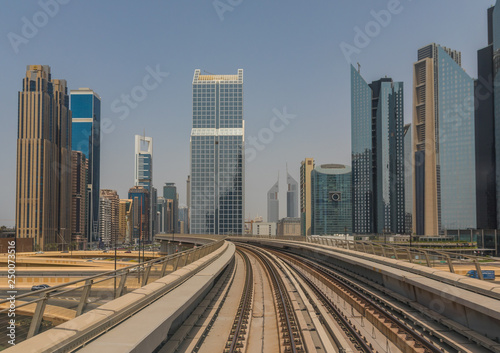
pixel 331 199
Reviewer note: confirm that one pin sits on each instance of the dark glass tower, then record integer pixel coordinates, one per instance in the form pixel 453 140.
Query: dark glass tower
pixel 377 155
pixel 217 155
pixel 486 197
pixel 86 125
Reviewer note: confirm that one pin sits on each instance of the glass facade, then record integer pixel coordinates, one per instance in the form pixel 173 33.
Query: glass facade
pixel 292 197
pixel 361 147
pixel 456 148
pixel 86 132
pixel 377 155
pixel 331 200
pixel 217 155
pixel 495 39
pixel 273 203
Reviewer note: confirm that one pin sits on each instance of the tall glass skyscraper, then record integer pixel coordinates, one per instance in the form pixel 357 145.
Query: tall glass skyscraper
pixel 143 176
pixel 377 155
pixel 408 165
pixel 331 199
pixel 273 203
pixel 217 155
pixel 444 143
pixel 86 135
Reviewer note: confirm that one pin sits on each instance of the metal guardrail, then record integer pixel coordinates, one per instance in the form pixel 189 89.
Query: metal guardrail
pixel 114 284
pixel 426 257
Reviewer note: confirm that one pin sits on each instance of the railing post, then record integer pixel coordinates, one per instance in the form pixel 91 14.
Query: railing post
pixel 123 280
pixel 364 248
pixel 450 264
pixel 427 258
pixel 38 316
pixel 383 250
pixel 164 267
pixel 176 263
pixel 395 253
pixel 84 297
pixel 409 255
pixel 146 274
pixel 373 248
pixel 478 269
pixel 355 245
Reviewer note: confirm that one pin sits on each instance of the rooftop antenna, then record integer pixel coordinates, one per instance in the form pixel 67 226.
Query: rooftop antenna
pixel 359 67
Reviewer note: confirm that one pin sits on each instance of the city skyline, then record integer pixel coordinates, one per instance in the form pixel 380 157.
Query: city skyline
pixel 334 116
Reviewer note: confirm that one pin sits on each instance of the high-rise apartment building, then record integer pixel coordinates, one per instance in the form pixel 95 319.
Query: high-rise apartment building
pixel 408 165
pixel 331 200
pixel 377 119
pixel 79 172
pixel 105 225
pixel 112 196
pixel 273 203
pixel 125 221
pixel 86 135
pixel 443 143
pixel 217 155
pixel 292 197
pixel 43 184
pixel 306 167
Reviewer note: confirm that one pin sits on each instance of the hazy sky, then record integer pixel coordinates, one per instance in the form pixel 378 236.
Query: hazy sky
pixel 291 53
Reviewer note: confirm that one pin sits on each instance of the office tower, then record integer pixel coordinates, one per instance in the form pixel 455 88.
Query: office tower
pixel 377 119
pixel 86 138
pixel 217 155
pixel 273 203
pixel 408 179
pixel 112 196
pixel 43 184
pixel 292 197
pixel 140 213
pixel 105 226
pixel 161 215
pixel 79 170
pixel 484 128
pixel 144 175
pixel 153 215
pixel 331 199
pixel 183 217
pixel 443 141
pixel 306 168
pixel 172 198
pixel 125 221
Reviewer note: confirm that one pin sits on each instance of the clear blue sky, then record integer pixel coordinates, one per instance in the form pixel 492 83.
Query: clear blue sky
pixel 290 51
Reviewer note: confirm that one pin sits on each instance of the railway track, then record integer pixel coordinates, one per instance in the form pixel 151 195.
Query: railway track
pixel 237 337
pixel 290 332
pixel 403 332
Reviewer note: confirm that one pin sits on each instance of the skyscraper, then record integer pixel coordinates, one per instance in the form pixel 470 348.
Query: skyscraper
pixel 105 226
pixel 484 129
pixel 172 199
pixel 306 167
pixel 331 196
pixel 79 198
pixel 43 184
pixel 443 141
pixel 292 197
pixel 377 120
pixel 273 203
pixel 114 202
pixel 144 175
pixel 140 213
pixel 217 155
pixel 125 221
pixel 86 135
pixel 408 179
